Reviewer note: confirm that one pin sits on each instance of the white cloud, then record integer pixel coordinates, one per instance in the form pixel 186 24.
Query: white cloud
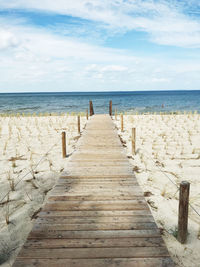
pixel 106 68
pixel 7 39
pixel 115 68
pixel 160 80
pixel 163 20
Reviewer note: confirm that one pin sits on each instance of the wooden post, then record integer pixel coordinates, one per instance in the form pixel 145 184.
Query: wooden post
pixel 64 145
pixel 79 124
pixel 122 123
pixel 183 212
pixel 110 108
pixel 91 109
pixel 133 140
pixel 87 114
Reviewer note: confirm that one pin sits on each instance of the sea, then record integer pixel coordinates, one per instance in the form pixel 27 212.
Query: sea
pixel 126 101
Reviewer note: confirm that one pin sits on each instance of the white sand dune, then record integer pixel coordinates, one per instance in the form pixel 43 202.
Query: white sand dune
pixel 25 142
pixel 168 150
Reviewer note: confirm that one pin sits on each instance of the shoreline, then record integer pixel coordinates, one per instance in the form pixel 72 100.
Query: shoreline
pixel 115 112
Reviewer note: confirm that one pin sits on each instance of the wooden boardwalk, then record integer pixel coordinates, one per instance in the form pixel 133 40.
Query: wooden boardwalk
pixel 96 215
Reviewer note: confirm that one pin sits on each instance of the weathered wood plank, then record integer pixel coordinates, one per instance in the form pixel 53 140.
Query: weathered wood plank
pixel 94 226
pixel 94 182
pixel 97 185
pixel 65 197
pixel 98 242
pixel 103 163
pixel 96 176
pixel 62 206
pixel 93 253
pixel 109 262
pixel 94 234
pixel 97 205
pixel 88 220
pixel 92 213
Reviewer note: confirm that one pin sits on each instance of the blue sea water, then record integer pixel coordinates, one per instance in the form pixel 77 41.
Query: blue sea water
pixel 131 102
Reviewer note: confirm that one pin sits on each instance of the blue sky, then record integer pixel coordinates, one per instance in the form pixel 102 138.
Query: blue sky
pixel 99 45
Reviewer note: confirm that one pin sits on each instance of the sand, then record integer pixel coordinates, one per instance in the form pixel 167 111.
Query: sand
pixel 25 142
pixel 168 152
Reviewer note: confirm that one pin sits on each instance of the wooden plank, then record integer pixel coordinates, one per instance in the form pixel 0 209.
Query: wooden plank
pixel 108 262
pixel 96 176
pixel 92 213
pixel 102 156
pixel 98 192
pixel 93 226
pixel 118 169
pixel 93 253
pixel 66 190
pixel 101 203
pixel 62 197
pixel 94 234
pixel 98 243
pixel 88 220
pixel 90 188
pixel 126 190
pixel 100 163
pixel 97 182
pixel 94 205
pixel 97 185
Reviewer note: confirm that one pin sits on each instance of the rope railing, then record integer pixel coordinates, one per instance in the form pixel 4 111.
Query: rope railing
pixel 159 168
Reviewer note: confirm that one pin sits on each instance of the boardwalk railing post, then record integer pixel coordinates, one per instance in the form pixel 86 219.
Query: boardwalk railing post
pixel 183 211
pixel 122 123
pixel 87 114
pixel 133 140
pixel 64 145
pixel 91 109
pixel 79 124
pixel 110 108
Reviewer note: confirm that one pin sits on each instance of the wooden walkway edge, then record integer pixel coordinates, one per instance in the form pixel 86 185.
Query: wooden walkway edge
pixel 96 215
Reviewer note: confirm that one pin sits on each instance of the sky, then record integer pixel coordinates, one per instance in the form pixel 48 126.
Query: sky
pixel 99 45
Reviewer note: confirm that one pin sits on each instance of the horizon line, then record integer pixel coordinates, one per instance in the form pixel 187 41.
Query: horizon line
pixel 51 92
